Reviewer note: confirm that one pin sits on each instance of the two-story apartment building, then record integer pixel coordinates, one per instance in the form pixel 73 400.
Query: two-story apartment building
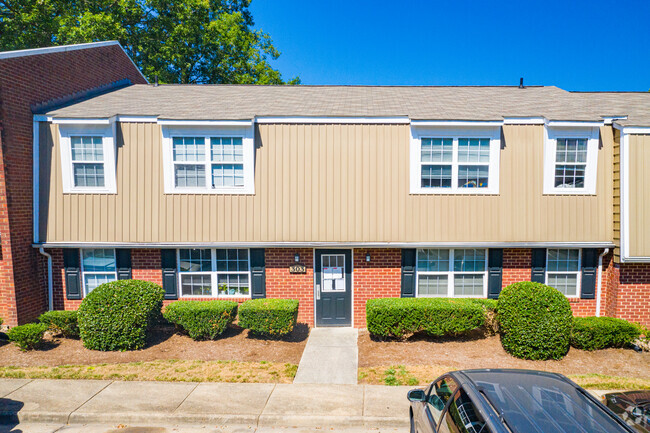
pixel 336 194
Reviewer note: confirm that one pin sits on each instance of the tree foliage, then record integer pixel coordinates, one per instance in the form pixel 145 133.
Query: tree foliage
pixel 180 41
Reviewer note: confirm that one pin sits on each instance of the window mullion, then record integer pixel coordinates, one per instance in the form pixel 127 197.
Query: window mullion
pixel 450 274
pixel 454 165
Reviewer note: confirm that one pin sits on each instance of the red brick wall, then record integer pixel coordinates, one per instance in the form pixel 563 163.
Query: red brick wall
pixel 25 81
pixel 280 283
pixel 516 265
pixel 633 295
pixel 379 278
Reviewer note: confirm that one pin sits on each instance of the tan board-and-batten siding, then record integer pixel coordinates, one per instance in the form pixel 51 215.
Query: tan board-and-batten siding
pixel 639 195
pixel 323 183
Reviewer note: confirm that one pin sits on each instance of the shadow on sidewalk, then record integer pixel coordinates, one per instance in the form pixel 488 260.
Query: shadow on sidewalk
pixel 9 415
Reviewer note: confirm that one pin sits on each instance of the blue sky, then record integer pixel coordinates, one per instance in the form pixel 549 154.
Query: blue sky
pixel 573 44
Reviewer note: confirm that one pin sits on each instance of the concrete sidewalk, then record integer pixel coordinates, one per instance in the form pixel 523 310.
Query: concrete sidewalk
pixel 331 356
pixel 230 404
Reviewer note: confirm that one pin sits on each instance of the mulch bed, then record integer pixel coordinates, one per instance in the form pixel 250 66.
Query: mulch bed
pixel 165 343
pixel 487 352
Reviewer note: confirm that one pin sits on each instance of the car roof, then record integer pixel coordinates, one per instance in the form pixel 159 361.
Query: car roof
pixel 537 401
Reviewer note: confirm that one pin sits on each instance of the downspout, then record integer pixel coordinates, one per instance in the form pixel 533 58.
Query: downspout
pixel 50 291
pixel 600 277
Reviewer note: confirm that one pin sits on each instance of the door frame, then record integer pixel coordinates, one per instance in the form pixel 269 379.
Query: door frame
pixel 313 256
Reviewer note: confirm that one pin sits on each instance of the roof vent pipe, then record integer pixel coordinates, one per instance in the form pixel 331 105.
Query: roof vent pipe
pixel 521 83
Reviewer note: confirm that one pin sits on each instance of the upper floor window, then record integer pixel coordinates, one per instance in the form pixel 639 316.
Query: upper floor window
pixel 455 272
pixel 88 158
pixel 570 161
pixel 563 270
pixel 210 162
pixel 97 267
pixel 455 162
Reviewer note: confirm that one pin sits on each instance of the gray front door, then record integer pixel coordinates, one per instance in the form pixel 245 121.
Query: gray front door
pixel 333 287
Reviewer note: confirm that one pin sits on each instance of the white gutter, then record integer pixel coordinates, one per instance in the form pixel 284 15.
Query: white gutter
pixel 600 282
pixel 50 289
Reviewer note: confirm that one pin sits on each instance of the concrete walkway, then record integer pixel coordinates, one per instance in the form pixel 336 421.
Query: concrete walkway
pixel 249 405
pixel 331 356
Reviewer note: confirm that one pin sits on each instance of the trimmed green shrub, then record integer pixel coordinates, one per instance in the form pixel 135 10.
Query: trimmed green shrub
pixel 61 322
pixel 29 336
pixel 595 333
pixel 201 319
pixel 117 315
pixel 535 321
pixel 437 317
pixel 269 317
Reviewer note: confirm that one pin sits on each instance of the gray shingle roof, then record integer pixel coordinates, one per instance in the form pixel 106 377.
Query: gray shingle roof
pixel 233 102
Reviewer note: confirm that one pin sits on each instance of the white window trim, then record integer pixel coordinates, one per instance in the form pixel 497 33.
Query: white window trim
pixel 417 133
pixel 107 132
pixel 450 275
pixel 551 134
pixel 83 272
pixel 578 273
pixel 213 275
pixel 245 132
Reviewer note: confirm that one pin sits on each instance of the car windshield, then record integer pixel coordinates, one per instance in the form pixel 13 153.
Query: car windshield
pixel 542 403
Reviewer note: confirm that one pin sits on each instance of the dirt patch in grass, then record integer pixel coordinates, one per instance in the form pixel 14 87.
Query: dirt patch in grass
pixel 415 375
pixel 164 370
pixel 444 355
pixel 165 344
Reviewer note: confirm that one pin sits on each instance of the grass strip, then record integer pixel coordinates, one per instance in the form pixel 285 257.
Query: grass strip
pixel 164 370
pixel 395 375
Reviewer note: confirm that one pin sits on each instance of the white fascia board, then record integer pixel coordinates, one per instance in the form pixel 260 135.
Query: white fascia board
pixel 604 244
pixel 631 130
pixel 68 121
pixel 57 49
pixel 137 119
pixel 458 123
pixel 337 120
pixel 611 119
pixel 170 122
pixel 524 120
pixel 574 124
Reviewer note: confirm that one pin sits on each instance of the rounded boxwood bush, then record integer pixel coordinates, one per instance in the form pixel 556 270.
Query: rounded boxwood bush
pixel 61 322
pixel 437 317
pixel 595 333
pixel 29 336
pixel 535 321
pixel 117 315
pixel 269 317
pixel 201 319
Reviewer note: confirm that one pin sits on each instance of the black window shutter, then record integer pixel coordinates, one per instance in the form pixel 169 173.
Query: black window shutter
pixel 589 273
pixel 538 266
pixel 495 271
pixel 123 261
pixel 168 265
pixel 258 277
pixel 408 272
pixel 72 265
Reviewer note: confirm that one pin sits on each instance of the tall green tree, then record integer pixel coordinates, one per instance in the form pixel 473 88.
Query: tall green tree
pixel 178 41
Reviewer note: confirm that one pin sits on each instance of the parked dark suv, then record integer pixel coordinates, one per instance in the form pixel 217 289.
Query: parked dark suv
pixel 508 401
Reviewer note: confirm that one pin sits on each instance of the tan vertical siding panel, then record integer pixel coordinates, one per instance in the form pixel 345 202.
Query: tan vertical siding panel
pixel 639 195
pixel 331 183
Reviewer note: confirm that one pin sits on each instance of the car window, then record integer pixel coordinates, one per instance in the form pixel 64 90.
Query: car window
pixel 439 394
pixel 462 416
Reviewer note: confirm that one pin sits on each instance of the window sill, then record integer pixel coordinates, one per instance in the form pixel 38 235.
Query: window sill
pixel 444 191
pixel 205 191
pixel 566 191
pixel 91 191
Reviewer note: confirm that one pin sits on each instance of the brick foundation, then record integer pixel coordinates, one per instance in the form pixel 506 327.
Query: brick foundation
pixel 625 288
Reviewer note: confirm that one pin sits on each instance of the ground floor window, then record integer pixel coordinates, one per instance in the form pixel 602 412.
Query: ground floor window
pixel 97 267
pixel 214 272
pixel 452 272
pixel 563 270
